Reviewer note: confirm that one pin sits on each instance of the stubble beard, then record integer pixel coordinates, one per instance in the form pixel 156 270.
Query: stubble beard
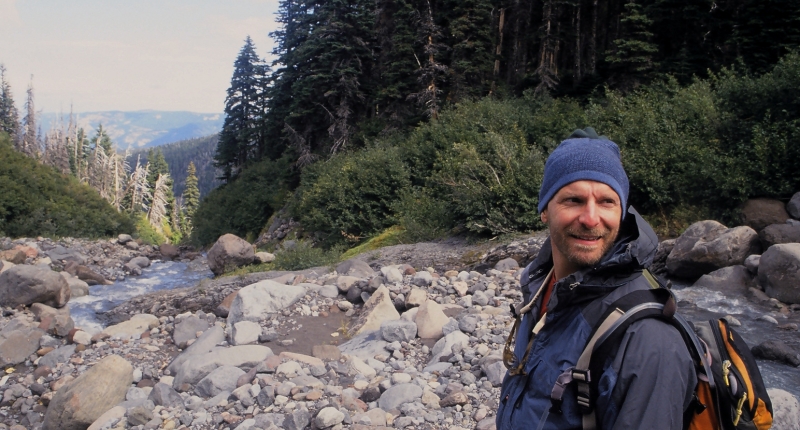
pixel 579 255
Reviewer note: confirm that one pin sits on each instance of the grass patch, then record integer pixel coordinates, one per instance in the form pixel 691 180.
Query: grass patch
pixel 390 236
pixel 252 268
pixel 304 255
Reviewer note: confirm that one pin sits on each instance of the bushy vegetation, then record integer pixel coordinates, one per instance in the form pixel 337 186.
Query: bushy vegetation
pixel 147 233
pixel 38 200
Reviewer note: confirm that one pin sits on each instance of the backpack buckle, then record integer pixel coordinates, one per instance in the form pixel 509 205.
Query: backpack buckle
pixel 581 375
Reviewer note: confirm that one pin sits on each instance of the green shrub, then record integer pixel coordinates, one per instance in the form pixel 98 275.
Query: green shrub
pixel 38 200
pixel 350 196
pixel 244 205
pixel 147 233
pixel 304 255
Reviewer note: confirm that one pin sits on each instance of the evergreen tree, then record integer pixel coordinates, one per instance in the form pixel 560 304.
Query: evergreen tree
pixel 431 73
pixel 9 117
pixel 632 56
pixel 191 194
pixel 103 140
pixel 471 41
pixel 157 166
pixel 241 139
pixel 29 142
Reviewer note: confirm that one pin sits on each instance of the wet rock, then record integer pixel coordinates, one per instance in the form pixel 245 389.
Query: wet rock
pixel 778 274
pixel 25 285
pixel 79 404
pixel 730 280
pixel 707 246
pixel 430 320
pixel 759 213
pixel 778 351
pixel 229 252
pixel 257 301
pixel 376 310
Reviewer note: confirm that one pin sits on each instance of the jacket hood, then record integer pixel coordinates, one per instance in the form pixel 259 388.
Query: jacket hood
pixel 633 251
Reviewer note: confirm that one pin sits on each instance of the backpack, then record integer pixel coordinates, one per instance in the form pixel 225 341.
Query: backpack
pixel 730 393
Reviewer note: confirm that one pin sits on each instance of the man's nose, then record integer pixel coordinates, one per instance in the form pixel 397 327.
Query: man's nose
pixel 589 216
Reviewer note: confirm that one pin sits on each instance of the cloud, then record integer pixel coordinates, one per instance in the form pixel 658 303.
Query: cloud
pixel 9 16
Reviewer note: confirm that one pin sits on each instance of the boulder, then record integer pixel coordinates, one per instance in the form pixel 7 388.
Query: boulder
pixel 398 331
pixel 416 297
pixel 256 302
pixel 122 239
pixel 90 276
pixel 13 256
pixel 444 346
pixel 391 274
pixel 81 402
pixel 229 252
pixel 430 320
pixel 364 346
pixel 778 351
pixel 164 395
pixel 106 420
pixel 196 367
pixel 775 234
pixel 17 343
pixel 376 310
pixel 140 261
pixel 785 410
pixel 344 283
pixel 353 267
pixel 5 265
pixel 132 269
pixel 60 253
pixel 30 250
pixel 25 285
pixel 759 213
pixel 752 262
pixel 264 257
pixel 398 395
pixel 133 328
pixel 506 264
pixel 224 308
pixel 793 207
pixel 186 329
pixel 244 332
pixel 707 246
pixel 778 272
pixel 220 379
pixel 204 344
pixel 732 280
pixel 54 321
pixel 169 251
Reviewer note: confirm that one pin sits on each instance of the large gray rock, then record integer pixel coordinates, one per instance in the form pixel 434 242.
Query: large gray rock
pixel 58 355
pixel 256 302
pixel 759 213
pixel 229 252
pixel 364 346
pixel 376 310
pixel 164 395
pixel 430 320
pixel 59 253
pixel 77 287
pixel 244 332
pixel 25 285
pixel 445 345
pixel 196 367
pixel 398 331
pixel 18 342
pixel 707 246
pixel 495 372
pixel 328 417
pixel 398 395
pixel 187 329
pixel 793 207
pixel 77 405
pixel 354 267
pixel 506 264
pixel 133 328
pixel 778 351
pixel 140 261
pixel 779 233
pixel 204 344
pixel 785 410
pixel 391 274
pixel 779 272
pixel 732 280
pixel 54 321
pixel 220 379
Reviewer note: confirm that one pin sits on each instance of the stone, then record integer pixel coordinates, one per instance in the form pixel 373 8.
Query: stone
pixel 364 346
pixel 480 298
pixel 398 395
pixel 446 344
pixel 132 269
pixel 376 310
pixel 353 267
pixel 343 283
pixel 752 262
pixel 81 402
pixel 793 207
pixel 54 321
pixel 326 352
pixel 775 234
pixel 707 246
pixel 82 338
pixel 14 256
pixel 18 343
pixel 122 239
pixel 329 291
pixel 77 287
pixel 218 380
pixel 245 332
pixel 204 344
pixel 461 288
pixel 196 367
pixel 25 285
pixel 133 328
pixel 778 351
pixel 732 280
pixel 391 274
pixel 328 417
pixel 454 398
pixel 169 251
pixel 104 421
pixel 140 261
pixel 778 272
pixel 506 264
pixel 56 356
pixel 495 372
pixel 359 367
pixel 59 253
pixel 297 420
pixel 90 276
pixel 256 302
pixel 224 308
pixel 416 297
pixel 164 395
pixel 187 329
pixel 229 252
pixel 759 213
pixel 785 409
pixel 430 320
pixel 264 257
pixel 302 358
pixel 398 331
pixel 5 265
pixel 422 279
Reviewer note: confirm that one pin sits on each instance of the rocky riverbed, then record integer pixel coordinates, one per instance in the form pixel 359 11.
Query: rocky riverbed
pixel 379 341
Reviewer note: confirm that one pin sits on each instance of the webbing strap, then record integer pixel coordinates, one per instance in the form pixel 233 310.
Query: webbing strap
pixel 586 355
pixel 508 351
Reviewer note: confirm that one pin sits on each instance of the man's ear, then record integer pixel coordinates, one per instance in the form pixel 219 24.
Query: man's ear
pixel 543 216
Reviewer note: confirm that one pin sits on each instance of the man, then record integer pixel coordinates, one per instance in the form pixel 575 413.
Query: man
pixel 595 254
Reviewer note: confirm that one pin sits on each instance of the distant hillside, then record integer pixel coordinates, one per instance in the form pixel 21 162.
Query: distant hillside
pixel 180 154
pixel 132 130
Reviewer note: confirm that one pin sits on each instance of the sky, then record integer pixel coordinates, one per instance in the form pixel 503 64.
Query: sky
pixel 128 55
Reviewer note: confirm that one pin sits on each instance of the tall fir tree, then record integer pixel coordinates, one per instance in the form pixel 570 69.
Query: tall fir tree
pixel 9 117
pixel 471 39
pixel 240 140
pixel 28 143
pixel 191 194
pixel 632 56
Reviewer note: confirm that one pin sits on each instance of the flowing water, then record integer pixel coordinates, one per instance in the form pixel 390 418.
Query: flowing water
pixel 159 276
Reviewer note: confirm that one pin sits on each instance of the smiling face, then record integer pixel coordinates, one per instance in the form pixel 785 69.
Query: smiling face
pixel 584 219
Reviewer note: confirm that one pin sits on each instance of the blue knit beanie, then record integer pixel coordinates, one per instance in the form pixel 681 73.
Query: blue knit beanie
pixel 588 157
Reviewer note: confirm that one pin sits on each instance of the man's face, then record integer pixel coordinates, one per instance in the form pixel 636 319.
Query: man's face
pixel 584 219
